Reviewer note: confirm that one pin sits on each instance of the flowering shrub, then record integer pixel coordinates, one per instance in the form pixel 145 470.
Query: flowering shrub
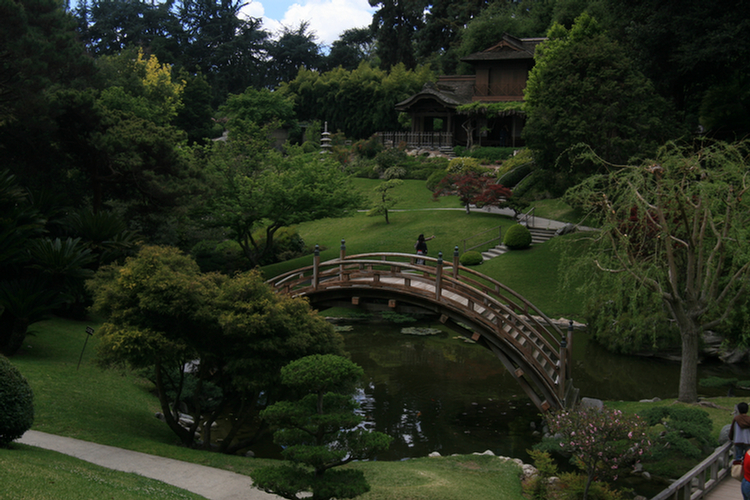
pixel 602 441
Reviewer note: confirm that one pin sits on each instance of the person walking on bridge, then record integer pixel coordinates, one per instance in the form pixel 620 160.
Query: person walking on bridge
pixel 421 246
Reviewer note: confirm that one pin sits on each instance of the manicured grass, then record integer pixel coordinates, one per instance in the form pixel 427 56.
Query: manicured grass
pixel 36 474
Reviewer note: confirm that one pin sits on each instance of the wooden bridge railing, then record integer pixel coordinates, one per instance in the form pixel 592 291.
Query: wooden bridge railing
pixel 516 322
pixel 702 478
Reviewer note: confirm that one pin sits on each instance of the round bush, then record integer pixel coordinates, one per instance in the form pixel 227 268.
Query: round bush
pixel 471 258
pixel 517 237
pixel 16 403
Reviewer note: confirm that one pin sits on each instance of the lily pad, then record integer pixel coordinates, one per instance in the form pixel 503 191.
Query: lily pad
pixel 412 330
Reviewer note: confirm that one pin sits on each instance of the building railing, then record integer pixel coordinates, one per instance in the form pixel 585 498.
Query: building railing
pixel 703 478
pixel 416 139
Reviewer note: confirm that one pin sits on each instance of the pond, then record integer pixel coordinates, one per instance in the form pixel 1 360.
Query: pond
pixel 440 393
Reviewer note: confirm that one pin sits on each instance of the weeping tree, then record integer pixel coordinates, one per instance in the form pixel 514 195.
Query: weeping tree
pixel 677 226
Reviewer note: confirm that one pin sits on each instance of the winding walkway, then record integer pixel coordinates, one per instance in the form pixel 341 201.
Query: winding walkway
pixel 209 482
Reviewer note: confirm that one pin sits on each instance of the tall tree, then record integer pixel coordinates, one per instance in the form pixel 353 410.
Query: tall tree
pixel 395 25
pixel 295 48
pixel 678 227
pixel 230 51
pixel 693 51
pixel 354 46
pixel 584 89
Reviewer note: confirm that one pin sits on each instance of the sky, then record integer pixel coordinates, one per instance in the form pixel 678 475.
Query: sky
pixel 327 18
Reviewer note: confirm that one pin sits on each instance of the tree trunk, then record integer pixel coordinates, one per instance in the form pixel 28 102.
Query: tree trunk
pixel 690 335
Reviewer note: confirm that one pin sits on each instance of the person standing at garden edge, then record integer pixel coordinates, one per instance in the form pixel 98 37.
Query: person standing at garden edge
pixel 739 433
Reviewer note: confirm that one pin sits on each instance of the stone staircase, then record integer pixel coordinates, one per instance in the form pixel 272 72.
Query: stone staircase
pixel 538 236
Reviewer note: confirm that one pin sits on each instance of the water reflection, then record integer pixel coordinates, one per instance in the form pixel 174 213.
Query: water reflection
pixel 438 393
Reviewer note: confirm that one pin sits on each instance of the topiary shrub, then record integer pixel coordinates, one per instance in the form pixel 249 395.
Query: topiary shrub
pixel 16 403
pixel 517 237
pixel 471 258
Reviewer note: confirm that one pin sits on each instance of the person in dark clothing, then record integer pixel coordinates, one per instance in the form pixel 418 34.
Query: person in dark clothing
pixel 421 246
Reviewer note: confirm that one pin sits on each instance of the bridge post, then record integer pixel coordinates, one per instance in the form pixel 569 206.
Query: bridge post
pixel 570 346
pixel 455 262
pixel 342 255
pixel 439 276
pixel 563 374
pixel 316 267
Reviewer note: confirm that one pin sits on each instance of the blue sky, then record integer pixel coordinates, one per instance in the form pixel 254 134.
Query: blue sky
pixel 327 18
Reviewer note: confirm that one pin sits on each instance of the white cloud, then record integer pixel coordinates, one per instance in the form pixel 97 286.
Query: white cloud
pixel 327 18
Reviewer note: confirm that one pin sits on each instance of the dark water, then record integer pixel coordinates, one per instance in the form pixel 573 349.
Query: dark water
pixel 438 393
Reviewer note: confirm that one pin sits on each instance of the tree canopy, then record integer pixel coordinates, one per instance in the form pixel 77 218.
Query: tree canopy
pixel 584 89
pixel 677 227
pixel 211 342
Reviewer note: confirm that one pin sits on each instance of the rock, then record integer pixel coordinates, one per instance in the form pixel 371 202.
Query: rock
pixel 646 475
pixel 250 454
pixel 434 454
pixel 653 400
pixel 592 403
pixel 529 471
pixel 724 434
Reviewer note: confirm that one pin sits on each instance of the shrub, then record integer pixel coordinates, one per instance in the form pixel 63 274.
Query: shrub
pixel 16 403
pixel 434 179
pixel 686 430
pixel 368 148
pixel 463 165
pixel 471 258
pixel 391 157
pixel 517 237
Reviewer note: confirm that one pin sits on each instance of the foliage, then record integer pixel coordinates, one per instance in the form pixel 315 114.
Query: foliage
pixel 517 237
pixel 394 23
pixel 485 154
pixel 584 89
pixel 319 431
pixel 602 441
pixel 16 403
pixel 572 487
pixel 368 148
pixel 294 48
pixel 259 190
pixel 257 107
pixel 627 319
pixel 386 200
pixel 515 168
pixel 336 96
pixel 468 186
pixel 464 165
pixel 162 314
pixel 686 431
pixel 471 258
pixel 537 487
pixel 677 227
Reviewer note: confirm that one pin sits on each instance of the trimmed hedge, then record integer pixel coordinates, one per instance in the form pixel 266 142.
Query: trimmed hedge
pixel 16 403
pixel 471 258
pixel 517 237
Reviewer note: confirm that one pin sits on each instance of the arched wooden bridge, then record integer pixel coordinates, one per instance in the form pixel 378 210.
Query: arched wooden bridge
pixel 532 348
